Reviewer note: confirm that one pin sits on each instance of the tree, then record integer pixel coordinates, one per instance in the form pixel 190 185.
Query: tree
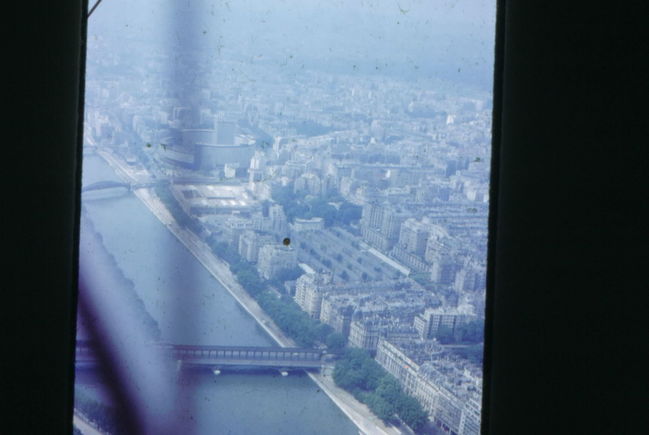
pixel 288 274
pixel 335 342
pixel 382 408
pixel 471 332
pixel 389 389
pixel 322 330
pixel 347 377
pixel 445 335
pixel 357 372
pixel 349 213
pixel 250 280
pixel 411 412
pixel 324 210
pixel 471 353
pixel 373 373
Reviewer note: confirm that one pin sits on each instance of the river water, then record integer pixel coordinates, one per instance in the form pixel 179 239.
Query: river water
pixel 191 307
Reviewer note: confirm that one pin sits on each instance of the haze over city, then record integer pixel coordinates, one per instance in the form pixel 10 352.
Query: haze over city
pixel 306 175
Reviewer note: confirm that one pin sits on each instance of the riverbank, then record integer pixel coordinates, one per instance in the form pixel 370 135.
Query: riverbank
pixel 84 425
pixel 357 412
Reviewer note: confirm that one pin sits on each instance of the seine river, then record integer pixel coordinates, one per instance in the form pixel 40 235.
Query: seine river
pixel 191 307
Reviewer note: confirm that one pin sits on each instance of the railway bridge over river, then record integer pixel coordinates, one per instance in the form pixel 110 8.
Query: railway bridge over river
pixel 223 357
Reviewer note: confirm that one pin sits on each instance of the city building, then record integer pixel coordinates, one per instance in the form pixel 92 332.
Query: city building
pixel 274 258
pixel 450 391
pixel 435 320
pixel 365 332
pixel 309 289
pixel 250 242
pixel 413 236
pixel 314 224
pixel 207 199
pixel 257 167
pixel 337 311
pixel 279 222
pixel 380 225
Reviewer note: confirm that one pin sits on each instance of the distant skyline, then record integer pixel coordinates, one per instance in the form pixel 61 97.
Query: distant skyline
pixel 451 40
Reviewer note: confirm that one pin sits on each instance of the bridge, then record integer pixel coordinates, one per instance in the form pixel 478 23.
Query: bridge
pixel 247 356
pixel 221 357
pixel 101 185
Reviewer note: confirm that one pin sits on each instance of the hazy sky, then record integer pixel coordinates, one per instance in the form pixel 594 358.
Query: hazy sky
pixel 451 38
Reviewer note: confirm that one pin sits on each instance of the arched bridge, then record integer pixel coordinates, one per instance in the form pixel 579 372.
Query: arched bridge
pixel 100 185
pixel 217 357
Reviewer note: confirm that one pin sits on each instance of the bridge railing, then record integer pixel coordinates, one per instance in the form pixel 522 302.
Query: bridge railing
pixel 85 351
pixel 249 354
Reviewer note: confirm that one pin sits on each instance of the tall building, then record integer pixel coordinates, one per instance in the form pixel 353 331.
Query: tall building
pixel 444 270
pixel 413 261
pixel 309 292
pixel 248 248
pixel 471 277
pixel 225 129
pixel 365 333
pixel 250 242
pixel 279 222
pixel 209 156
pixel 336 311
pixel 257 167
pixel 438 244
pixel 275 258
pixel 413 236
pixel 380 225
pixel 429 323
pixel 372 215
pixel 391 224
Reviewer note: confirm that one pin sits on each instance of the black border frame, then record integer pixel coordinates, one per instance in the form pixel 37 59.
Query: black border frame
pixel 567 280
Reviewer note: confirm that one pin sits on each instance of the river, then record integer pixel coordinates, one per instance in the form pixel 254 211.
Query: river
pixel 191 307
